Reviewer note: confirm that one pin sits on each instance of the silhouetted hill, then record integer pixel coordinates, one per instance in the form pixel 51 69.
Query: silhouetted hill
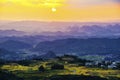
pixel 81 46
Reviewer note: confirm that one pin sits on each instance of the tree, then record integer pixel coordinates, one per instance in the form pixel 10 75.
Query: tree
pixel 57 66
pixel 118 66
pixel 41 68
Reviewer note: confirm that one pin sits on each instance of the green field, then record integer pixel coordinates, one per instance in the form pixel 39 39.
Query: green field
pixel 31 71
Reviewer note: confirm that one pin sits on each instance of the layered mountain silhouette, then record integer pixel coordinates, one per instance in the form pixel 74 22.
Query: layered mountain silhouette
pixel 59 37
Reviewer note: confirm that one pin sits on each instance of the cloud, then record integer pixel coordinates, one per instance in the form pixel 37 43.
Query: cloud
pixel 33 3
pixel 77 3
pixel 72 3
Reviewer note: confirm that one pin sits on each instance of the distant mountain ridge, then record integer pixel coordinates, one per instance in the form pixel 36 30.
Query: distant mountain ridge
pixel 14 45
pixel 7 55
pixel 81 29
pixel 96 30
pixel 12 32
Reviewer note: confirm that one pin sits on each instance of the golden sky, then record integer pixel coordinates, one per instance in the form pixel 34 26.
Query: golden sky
pixel 60 10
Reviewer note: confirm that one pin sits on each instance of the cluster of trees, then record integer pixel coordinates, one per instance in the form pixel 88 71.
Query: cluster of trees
pixel 57 67
pixel 1 62
pixel 41 68
pixel 118 66
pixel 53 67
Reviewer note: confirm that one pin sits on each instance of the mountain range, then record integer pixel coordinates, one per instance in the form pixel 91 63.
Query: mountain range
pixel 17 50
pixel 79 29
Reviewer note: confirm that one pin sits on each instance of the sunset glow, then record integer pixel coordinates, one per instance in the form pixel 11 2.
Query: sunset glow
pixel 65 10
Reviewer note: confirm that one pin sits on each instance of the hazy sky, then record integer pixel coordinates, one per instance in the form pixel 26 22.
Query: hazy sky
pixel 60 10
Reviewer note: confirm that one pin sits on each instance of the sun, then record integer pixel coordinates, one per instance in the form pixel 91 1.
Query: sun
pixel 54 9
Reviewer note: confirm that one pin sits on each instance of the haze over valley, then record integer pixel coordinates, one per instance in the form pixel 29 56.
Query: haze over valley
pixel 77 38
